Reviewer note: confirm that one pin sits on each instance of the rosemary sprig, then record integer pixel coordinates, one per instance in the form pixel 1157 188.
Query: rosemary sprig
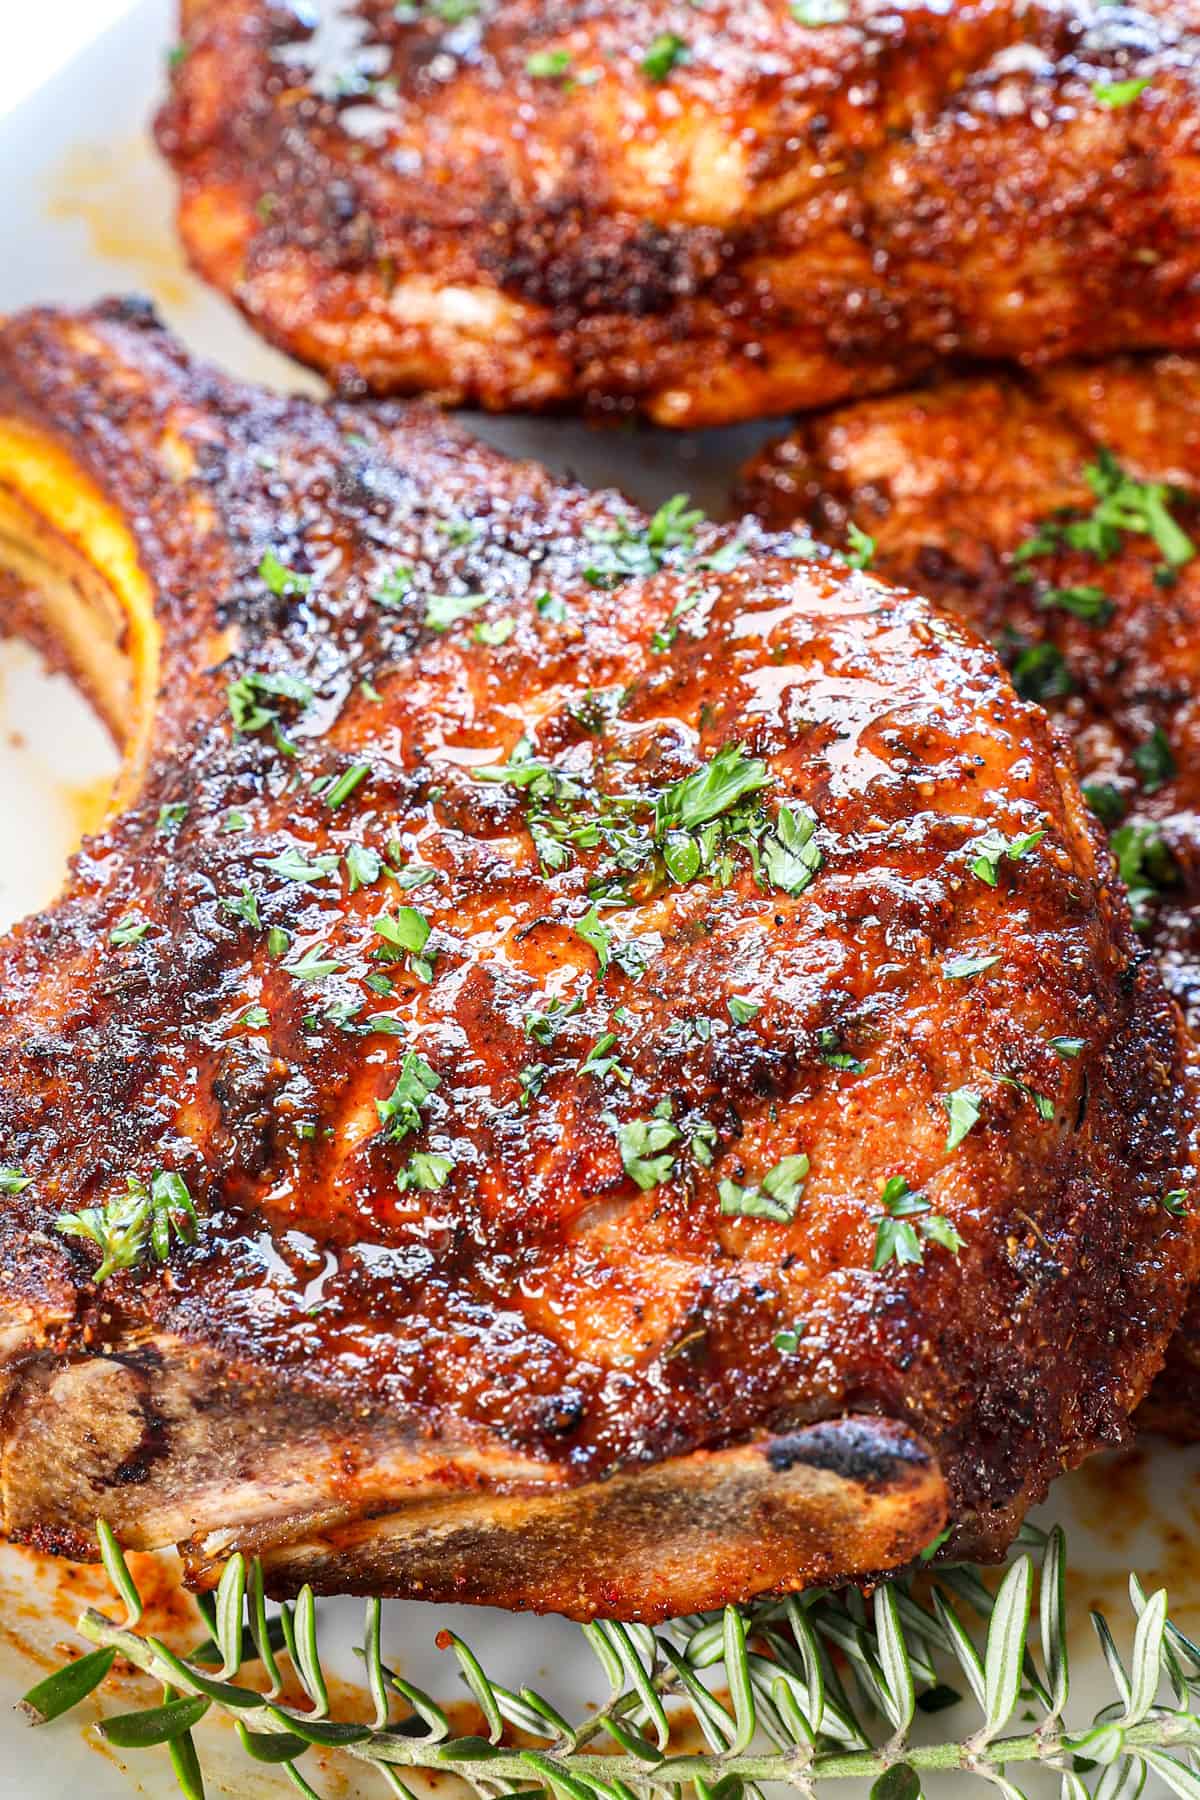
pixel 789 1665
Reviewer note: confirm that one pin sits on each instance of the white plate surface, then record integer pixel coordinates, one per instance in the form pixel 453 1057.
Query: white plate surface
pixel 85 210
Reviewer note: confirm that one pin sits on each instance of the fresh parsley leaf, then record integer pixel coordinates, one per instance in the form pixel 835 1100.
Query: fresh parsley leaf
pixel 1067 1046
pixel 363 866
pixel 647 1146
pixel 993 846
pixel 1089 603
pixel 666 53
pixel 711 790
pixel 256 1017
pixel 293 865
pixel 594 932
pixel 127 1225
pixel 775 1197
pixel 1114 94
pixel 278 941
pixel 1154 761
pixel 392 588
pixel 494 632
pixel 1176 1203
pixel 962 1106
pixel 788 1342
pixel 820 12
pixel 245 697
pixel 13 1180
pixel 346 783
pixel 828 1043
pixel 129 930
pixel 961 968
pixel 742 1011
pixel 170 818
pixel 406 933
pixel 790 854
pixel 445 610
pixel 1040 673
pixel 280 579
pixel 897 1239
pixel 426 1170
pixel 245 907
pixel 1042 1102
pixel 862 547
pixel 400 1113
pixel 548 65
pixel 1105 801
pixel 312 966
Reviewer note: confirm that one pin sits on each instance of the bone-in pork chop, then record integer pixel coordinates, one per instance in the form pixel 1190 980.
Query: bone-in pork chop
pixel 599 1063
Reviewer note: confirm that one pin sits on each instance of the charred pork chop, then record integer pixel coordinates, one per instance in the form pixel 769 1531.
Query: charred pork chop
pixel 599 1064
pixel 705 213
pixel 1060 516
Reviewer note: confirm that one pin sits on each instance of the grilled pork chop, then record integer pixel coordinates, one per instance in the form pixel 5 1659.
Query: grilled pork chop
pixel 1061 516
pixel 600 1064
pixel 706 214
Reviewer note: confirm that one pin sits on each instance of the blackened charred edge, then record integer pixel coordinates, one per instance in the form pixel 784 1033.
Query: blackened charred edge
pixel 856 1450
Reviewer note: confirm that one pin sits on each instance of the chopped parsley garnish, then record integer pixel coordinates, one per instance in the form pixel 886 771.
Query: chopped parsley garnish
pixel 829 1044
pixel 820 12
pixel 543 1026
pixel 391 589
pixel 1144 863
pixel 247 708
pixel 400 1113
pixel 742 1011
pixel 142 1218
pixel 1089 603
pixel 600 1061
pixel 897 1238
pixel 363 866
pixel 624 550
pixel 788 1342
pixel 962 1107
pixel 312 966
pixel 1068 1046
pixel 350 779
pixel 426 1170
pixel 790 854
pixel 993 847
pixel 245 907
pixel 13 1180
pixel 445 610
pixel 1122 506
pixel 703 796
pixel 548 65
pixel 129 930
pixel 494 632
pixel 1154 761
pixel 1176 1203
pixel 1040 673
pixel 647 1146
pixel 532 1079
pixel 293 865
pixel 256 1017
pixel 594 932
pixel 775 1197
pixel 278 941
pixel 1114 94
pixel 862 547
pixel 666 53
pixel 170 818
pixel 961 968
pixel 1105 801
pixel 1042 1102
pixel 280 579
pixel 405 933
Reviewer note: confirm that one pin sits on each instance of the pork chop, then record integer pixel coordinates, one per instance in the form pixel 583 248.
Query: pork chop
pixel 703 213
pixel 1060 515
pixel 598 1063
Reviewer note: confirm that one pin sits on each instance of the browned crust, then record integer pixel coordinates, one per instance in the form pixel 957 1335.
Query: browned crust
pixel 794 216
pixel 950 480
pixel 542 1329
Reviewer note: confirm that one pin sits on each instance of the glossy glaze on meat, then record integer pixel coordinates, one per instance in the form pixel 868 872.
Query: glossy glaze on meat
pixel 705 214
pixel 559 1378
pixel 951 482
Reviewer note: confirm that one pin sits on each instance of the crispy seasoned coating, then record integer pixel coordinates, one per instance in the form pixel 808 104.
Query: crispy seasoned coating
pixel 690 1195
pixel 704 214
pixel 951 483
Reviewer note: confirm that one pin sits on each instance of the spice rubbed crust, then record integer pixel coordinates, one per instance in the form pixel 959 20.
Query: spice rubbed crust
pixel 992 499
pixel 647 1145
pixel 703 214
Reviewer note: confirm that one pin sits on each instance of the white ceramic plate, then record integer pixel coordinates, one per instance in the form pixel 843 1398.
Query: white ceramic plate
pixel 85 210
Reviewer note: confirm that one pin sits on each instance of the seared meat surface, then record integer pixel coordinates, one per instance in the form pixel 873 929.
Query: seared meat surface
pixel 961 486
pixel 705 214
pixel 673 1102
